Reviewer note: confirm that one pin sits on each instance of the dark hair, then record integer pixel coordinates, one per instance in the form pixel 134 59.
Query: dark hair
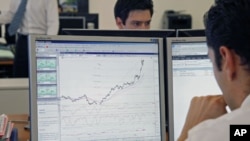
pixel 228 23
pixel 123 7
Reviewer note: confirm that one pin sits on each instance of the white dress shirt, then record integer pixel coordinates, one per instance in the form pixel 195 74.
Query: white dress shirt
pixel 41 17
pixel 219 129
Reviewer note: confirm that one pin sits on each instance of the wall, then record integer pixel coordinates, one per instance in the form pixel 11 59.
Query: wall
pixel 4 4
pixel 106 17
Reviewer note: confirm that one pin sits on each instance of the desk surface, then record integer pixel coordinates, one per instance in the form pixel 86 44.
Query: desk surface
pixel 6 62
pixel 20 121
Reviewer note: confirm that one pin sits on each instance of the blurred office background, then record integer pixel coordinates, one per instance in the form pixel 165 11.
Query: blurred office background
pixel 104 8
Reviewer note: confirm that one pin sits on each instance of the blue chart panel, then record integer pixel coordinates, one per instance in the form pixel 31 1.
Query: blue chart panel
pixel 46 91
pixel 46 64
pixel 46 77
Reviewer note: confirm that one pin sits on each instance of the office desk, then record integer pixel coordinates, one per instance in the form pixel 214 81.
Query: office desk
pixel 20 120
pixel 6 62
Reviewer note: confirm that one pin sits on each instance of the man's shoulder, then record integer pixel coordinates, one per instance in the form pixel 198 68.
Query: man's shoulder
pixel 219 128
pixel 238 116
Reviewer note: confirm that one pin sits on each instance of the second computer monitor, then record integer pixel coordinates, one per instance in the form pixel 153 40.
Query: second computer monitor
pixel 190 74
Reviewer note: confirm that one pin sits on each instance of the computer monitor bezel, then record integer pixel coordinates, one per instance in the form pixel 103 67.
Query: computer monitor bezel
pixel 190 33
pixel 170 78
pixel 33 77
pixel 164 33
pixel 91 18
pixel 71 19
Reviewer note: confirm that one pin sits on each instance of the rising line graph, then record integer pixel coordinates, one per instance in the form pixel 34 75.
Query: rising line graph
pixel 90 101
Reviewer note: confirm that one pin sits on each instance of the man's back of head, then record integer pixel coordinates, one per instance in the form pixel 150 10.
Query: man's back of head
pixel 133 14
pixel 228 24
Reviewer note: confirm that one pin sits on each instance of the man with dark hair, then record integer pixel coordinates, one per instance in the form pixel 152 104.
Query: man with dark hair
pixel 228 32
pixel 133 14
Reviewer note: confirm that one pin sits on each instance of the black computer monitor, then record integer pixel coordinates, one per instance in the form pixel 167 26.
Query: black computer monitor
pixel 190 74
pixel 80 90
pixel 164 34
pixel 69 22
pixel 90 18
pixel 190 32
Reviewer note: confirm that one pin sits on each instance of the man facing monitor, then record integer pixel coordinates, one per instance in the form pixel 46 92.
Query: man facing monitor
pixel 133 14
pixel 228 32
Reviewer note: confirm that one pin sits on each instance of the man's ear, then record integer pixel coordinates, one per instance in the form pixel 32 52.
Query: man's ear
pixel 228 62
pixel 119 23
